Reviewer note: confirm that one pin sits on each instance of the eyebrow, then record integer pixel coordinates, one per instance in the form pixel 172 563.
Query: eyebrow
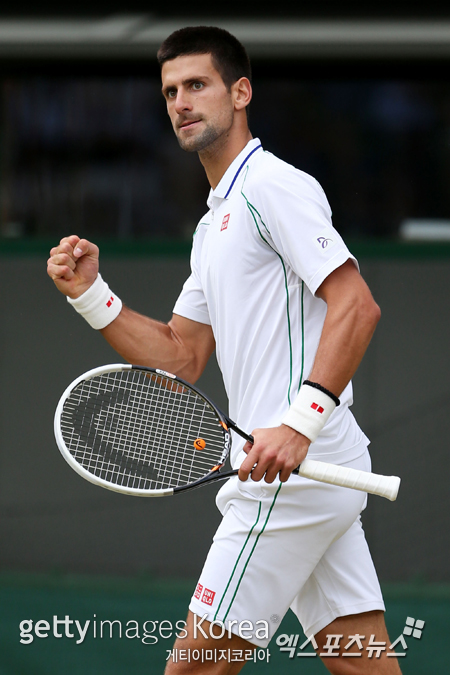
pixel 187 81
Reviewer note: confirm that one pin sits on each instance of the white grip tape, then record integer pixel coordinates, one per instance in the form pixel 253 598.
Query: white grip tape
pixel 383 486
pixel 98 305
pixel 309 412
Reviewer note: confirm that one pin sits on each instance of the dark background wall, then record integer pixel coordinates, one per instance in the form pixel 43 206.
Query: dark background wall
pixel 50 519
pixel 252 9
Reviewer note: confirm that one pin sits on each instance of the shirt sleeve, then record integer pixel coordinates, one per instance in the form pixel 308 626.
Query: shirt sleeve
pixel 296 219
pixel 191 302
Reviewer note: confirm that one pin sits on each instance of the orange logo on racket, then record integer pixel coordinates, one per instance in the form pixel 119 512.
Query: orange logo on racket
pixel 199 444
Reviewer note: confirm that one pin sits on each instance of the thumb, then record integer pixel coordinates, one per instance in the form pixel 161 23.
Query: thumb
pixel 85 248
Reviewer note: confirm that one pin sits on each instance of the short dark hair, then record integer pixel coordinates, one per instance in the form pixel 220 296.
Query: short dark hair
pixel 228 55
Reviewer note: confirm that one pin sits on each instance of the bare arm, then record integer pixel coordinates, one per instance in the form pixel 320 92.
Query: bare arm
pixel 352 316
pixel 182 346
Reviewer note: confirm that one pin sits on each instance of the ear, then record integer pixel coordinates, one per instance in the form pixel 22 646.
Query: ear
pixel 242 93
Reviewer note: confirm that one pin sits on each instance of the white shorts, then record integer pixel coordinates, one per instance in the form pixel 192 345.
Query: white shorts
pixel 300 545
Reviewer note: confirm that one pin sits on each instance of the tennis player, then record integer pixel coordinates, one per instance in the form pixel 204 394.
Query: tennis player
pixel 275 291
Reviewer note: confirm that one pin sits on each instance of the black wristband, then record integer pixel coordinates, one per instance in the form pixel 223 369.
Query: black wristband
pixel 318 386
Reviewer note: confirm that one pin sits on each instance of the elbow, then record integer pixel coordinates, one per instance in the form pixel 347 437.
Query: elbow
pixel 370 314
pixel 375 313
pixel 187 369
pixel 192 372
pixel 190 366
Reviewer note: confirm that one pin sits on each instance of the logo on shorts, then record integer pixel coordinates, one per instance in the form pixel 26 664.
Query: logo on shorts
pixel 316 406
pixel 225 222
pixel 198 591
pixel 208 596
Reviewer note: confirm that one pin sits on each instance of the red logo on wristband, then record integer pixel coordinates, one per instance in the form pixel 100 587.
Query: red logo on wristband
pixel 110 302
pixel 316 406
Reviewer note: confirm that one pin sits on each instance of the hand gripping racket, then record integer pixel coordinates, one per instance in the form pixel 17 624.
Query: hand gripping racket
pixel 148 433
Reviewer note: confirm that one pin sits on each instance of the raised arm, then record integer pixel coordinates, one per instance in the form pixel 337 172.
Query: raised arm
pixel 182 346
pixel 352 316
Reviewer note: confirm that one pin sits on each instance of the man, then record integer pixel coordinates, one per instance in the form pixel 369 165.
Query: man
pixel 275 291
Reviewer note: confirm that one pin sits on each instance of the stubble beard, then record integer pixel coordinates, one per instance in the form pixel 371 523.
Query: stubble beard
pixel 207 138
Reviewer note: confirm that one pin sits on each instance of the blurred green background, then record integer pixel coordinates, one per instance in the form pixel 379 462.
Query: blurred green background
pixel 140 600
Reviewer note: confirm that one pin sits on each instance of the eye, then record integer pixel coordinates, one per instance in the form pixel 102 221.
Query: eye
pixel 171 93
pixel 196 86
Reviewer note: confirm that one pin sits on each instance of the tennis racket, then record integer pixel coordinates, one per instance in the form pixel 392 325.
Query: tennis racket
pixel 148 433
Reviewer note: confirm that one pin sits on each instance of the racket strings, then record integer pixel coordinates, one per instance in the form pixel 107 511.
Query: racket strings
pixel 132 460
pixel 138 429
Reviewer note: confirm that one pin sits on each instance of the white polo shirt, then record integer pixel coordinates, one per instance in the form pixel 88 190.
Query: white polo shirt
pixel 258 257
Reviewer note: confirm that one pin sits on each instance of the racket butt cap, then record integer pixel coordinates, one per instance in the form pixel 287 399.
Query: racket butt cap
pixel 393 488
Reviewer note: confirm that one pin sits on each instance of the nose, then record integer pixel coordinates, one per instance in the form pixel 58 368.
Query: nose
pixel 182 102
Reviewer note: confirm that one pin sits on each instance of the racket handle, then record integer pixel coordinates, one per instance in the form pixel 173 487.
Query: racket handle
pixel 383 486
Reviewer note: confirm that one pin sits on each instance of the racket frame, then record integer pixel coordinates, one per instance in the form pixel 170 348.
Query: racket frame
pixel 214 474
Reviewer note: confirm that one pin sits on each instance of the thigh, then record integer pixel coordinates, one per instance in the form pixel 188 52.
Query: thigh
pixel 270 541
pixel 344 582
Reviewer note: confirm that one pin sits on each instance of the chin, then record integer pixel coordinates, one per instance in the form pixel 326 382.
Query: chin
pixel 202 141
pixel 187 144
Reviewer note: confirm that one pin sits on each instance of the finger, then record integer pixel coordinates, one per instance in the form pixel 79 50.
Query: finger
pixel 276 470
pixel 65 244
pixel 254 466
pixel 285 473
pixel 71 240
pixel 261 470
pixel 56 272
pixel 63 247
pixel 85 247
pixel 62 259
pixel 270 475
pixel 247 447
pixel 75 247
pixel 246 467
pixel 268 466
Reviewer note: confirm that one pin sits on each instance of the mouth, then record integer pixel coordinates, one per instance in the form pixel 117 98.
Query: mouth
pixel 188 124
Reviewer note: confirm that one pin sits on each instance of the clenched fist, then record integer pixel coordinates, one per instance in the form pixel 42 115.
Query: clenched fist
pixel 73 265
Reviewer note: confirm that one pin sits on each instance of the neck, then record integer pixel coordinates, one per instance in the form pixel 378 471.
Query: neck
pixel 217 157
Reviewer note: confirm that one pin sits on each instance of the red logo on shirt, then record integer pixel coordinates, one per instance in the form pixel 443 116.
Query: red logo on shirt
pixel 208 596
pixel 198 591
pixel 225 222
pixel 316 406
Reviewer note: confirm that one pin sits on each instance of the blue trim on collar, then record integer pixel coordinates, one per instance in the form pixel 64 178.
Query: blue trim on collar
pixel 240 169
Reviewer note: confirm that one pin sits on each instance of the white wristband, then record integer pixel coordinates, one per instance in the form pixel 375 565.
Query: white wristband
pixel 98 305
pixel 309 412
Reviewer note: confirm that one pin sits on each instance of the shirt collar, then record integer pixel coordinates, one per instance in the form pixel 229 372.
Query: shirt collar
pixel 230 176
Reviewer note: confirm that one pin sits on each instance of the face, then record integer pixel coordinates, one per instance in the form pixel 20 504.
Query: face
pixel 200 107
